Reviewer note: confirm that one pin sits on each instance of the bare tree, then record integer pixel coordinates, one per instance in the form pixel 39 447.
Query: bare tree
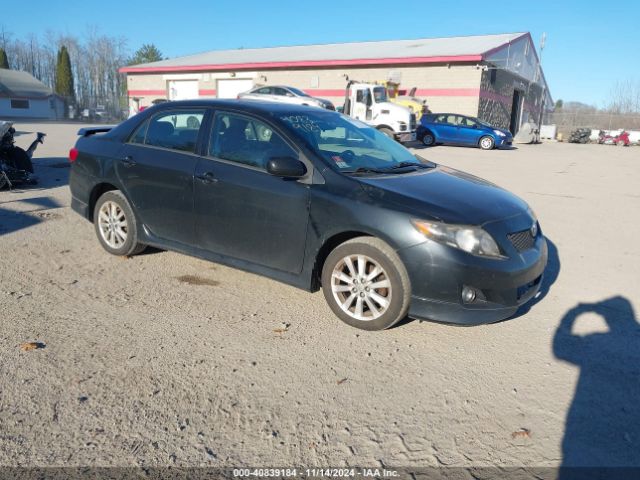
pixel 95 60
pixel 625 97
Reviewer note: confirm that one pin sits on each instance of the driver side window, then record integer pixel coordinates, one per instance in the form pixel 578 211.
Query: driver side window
pixel 247 141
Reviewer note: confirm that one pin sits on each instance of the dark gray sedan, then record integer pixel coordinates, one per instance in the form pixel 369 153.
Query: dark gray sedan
pixel 314 199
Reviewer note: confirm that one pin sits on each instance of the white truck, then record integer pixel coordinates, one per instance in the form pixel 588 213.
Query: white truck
pixel 368 103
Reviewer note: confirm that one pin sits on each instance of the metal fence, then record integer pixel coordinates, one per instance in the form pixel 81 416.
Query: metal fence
pixel 566 122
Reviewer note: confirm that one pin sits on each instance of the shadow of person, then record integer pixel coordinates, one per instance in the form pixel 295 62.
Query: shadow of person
pixel 603 423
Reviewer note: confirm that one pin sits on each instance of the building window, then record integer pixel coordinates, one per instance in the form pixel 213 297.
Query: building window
pixel 20 104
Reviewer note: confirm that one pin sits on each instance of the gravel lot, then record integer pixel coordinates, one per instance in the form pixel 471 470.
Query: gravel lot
pixel 164 359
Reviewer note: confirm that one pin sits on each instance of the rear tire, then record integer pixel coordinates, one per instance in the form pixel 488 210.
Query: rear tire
pixel 116 225
pixel 365 284
pixel 428 140
pixel 487 143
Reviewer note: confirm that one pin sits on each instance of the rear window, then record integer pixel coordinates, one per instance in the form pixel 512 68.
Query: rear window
pixel 177 130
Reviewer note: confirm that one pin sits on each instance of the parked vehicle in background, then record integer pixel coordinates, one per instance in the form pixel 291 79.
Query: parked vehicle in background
pixel 621 139
pixel 285 94
pixel 580 135
pixel 369 103
pixel 314 199
pixel 454 129
pixel 413 103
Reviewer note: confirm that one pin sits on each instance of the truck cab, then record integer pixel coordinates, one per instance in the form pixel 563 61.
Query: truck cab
pixel 369 103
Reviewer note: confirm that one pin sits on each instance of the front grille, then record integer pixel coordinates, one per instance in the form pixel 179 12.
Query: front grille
pixel 412 122
pixel 522 240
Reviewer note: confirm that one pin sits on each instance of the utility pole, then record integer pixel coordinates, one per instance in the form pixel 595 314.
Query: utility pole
pixel 543 41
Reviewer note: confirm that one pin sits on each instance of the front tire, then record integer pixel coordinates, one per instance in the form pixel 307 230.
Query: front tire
pixel 388 132
pixel 487 143
pixel 116 225
pixel 365 284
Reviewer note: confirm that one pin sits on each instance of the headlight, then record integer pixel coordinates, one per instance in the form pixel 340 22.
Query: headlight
pixel 473 240
pixel 499 133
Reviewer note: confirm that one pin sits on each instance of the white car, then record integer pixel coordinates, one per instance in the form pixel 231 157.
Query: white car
pixel 284 94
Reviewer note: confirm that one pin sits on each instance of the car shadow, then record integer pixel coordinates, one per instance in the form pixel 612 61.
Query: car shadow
pixel 19 219
pixel 602 428
pixel 420 146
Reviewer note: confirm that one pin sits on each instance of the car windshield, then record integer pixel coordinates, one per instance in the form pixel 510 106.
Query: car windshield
pixel 380 94
pixel 300 93
pixel 349 145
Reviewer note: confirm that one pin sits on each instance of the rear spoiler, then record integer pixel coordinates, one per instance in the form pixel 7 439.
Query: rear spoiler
pixel 86 132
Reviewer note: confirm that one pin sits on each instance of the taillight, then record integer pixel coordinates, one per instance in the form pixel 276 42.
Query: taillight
pixel 73 155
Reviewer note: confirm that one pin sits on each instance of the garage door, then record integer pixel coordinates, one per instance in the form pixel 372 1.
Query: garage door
pixel 183 89
pixel 231 88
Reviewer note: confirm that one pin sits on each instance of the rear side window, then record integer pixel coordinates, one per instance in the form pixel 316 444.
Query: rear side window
pixel 177 130
pixel 263 91
pixel 246 141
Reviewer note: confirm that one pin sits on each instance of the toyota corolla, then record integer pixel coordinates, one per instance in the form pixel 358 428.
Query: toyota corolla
pixel 314 199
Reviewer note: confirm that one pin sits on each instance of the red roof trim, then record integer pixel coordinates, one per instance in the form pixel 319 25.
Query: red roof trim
pixel 304 63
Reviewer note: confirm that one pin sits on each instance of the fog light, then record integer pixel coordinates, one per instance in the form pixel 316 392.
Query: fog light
pixel 468 294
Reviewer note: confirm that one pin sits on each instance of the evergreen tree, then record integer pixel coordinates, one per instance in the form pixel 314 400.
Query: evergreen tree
pixel 146 54
pixel 4 61
pixel 64 75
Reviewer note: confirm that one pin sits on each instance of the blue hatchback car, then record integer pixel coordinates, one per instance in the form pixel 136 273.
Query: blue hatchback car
pixel 454 129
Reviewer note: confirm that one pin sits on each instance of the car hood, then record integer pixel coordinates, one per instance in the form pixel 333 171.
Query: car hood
pixel 445 194
pixel 503 130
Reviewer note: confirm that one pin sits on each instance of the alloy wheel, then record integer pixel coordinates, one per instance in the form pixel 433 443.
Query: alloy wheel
pixel 486 143
pixel 361 287
pixel 112 223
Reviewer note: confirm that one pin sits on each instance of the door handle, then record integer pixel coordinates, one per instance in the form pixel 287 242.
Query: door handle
pixel 128 161
pixel 207 177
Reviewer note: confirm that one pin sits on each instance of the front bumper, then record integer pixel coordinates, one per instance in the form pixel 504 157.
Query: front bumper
pixel 406 137
pixel 438 274
pixel 504 142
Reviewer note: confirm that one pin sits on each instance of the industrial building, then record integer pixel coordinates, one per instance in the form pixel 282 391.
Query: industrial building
pixel 497 78
pixel 24 96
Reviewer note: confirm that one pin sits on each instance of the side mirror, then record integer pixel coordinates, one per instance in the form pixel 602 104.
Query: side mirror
pixel 287 167
pixel 475 125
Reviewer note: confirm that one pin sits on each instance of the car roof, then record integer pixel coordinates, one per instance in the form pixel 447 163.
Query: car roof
pixel 241 104
pixel 271 86
pixel 257 107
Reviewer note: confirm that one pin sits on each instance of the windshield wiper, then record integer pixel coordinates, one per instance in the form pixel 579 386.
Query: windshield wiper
pixel 408 164
pixel 365 170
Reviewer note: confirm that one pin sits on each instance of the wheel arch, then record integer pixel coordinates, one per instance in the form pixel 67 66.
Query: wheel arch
pixel 97 191
pixel 336 239
pixel 492 136
pixel 425 130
